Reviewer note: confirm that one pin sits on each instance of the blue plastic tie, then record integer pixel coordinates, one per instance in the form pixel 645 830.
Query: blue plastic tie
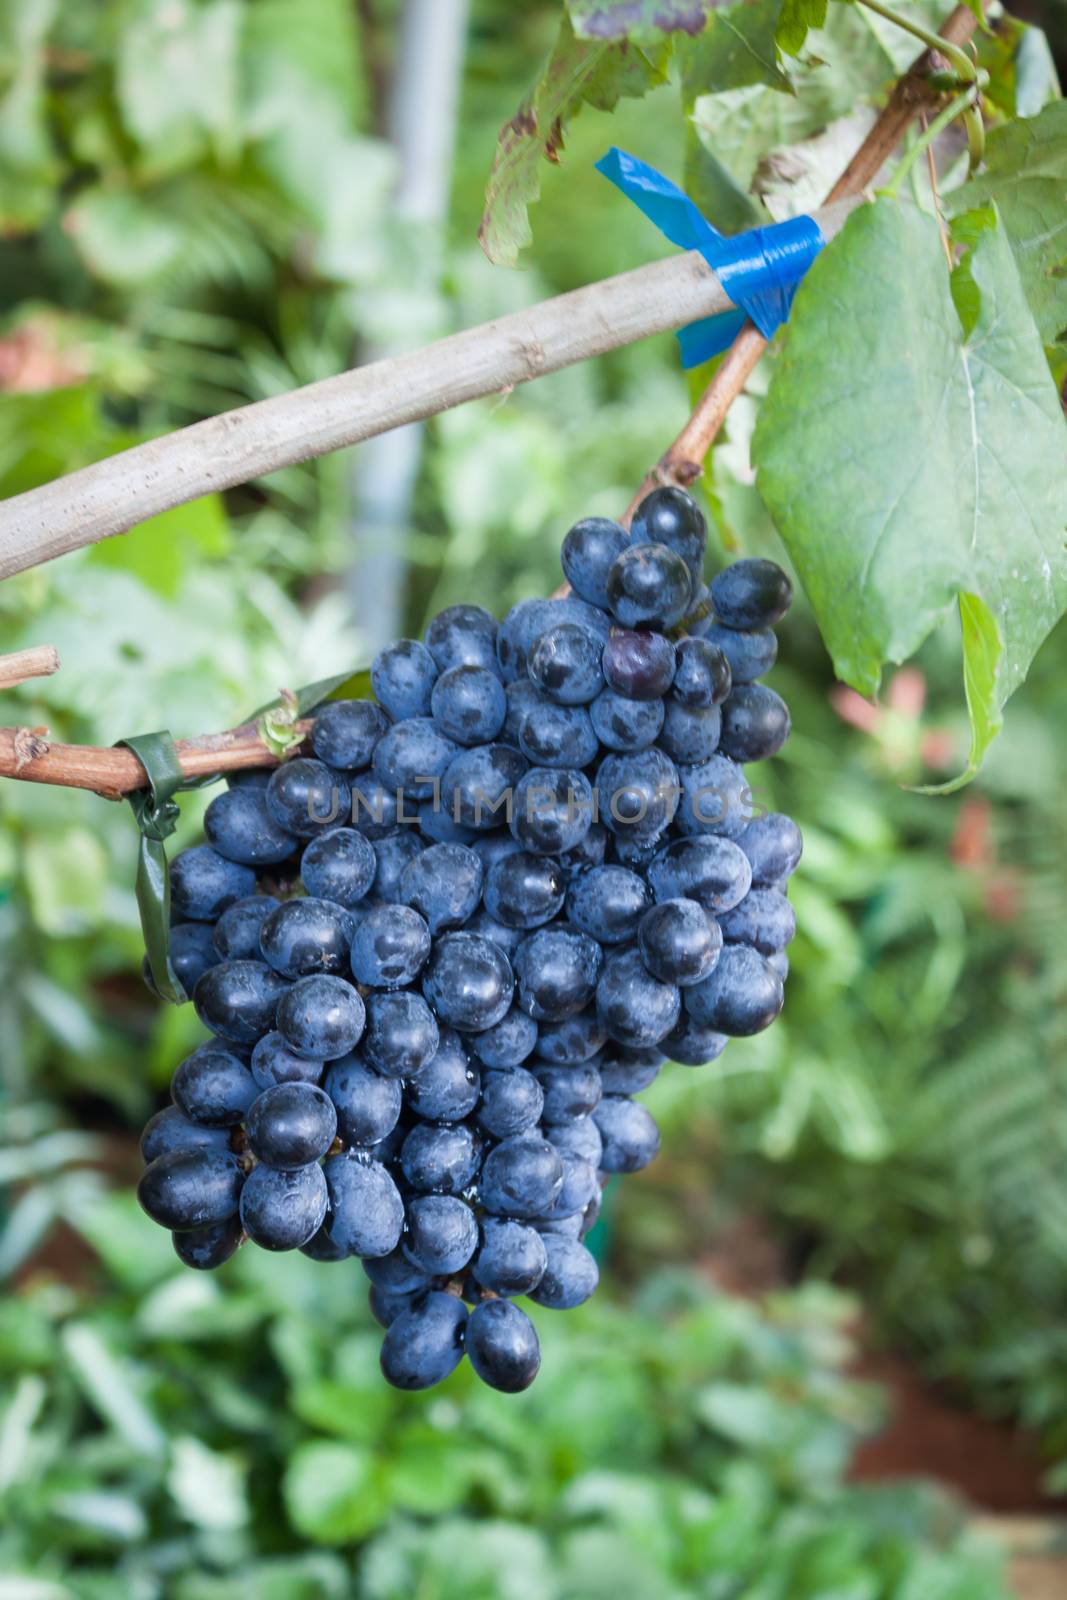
pixel 760 270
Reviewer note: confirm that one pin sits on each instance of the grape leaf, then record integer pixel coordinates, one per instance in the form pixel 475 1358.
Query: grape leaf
pixel 735 50
pixel 797 16
pixel 642 21
pixel 1026 177
pixel 912 458
pixel 578 72
pixel 1020 64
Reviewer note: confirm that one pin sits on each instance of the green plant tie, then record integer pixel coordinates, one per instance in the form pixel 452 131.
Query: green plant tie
pixel 156 813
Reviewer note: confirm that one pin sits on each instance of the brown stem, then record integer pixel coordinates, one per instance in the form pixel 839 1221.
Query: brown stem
pixel 40 661
pixel 27 753
pixel 684 461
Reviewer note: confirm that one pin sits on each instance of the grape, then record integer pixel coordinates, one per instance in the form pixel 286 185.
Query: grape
pixel 203 883
pixel 773 846
pixel 691 1043
pixel 193 952
pixel 552 811
pixel 208 1247
pixel 587 554
pixel 346 732
pixel 764 919
pixel 637 794
pixel 436 824
pixel 476 785
pixel 557 973
pixel 623 724
pixel 628 1072
pixel 390 947
pixel 608 903
pixel 374 807
pixel 238 1000
pixel 742 996
pixel 366 1216
pixel 423 1345
pixel 463 636
pixel 579 1186
pixel 213 1086
pixel 444 883
pixel 502 1346
pixel 519 632
pixel 750 652
pixel 715 798
pixel 680 943
pixel 751 594
pixel 386 1305
pixel 579 1136
pixel 712 871
pixel 511 1258
pixel 291 1124
pixel 690 733
pixel 755 723
pixel 468 981
pixel 649 587
pixel 395 1274
pixel 321 1017
pixel 506 939
pixel 306 797
pixel 170 1129
pixel 702 676
pixel 240 826
pixel 508 1042
pixel 521 694
pixel 440 1160
pixel 512 1101
pixel 565 663
pixel 191 1188
pixel 411 756
pixel 366 1103
pixel 635 1008
pixel 392 852
pixel 640 666
pixel 320 1247
pixel 402 677
pixel 571 1274
pixel 283 1210
pixel 569 1091
pixel 441 1234
pixel 339 866
pixel 236 933
pixel 468 704
pixel 273 1062
pixel 551 735
pixel 631 1138
pixel 521 1177
pixel 670 516
pixel 402 1034
pixel 572 1041
pixel 305 936
pixel 524 890
pixel 449 1087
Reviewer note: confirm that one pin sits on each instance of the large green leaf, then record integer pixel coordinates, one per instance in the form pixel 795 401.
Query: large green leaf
pixel 29 167
pixel 578 72
pixel 177 77
pixel 913 461
pixel 737 49
pixel 1026 176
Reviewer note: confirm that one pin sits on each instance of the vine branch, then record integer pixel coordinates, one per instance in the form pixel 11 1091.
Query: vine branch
pixel 39 661
pixel 115 494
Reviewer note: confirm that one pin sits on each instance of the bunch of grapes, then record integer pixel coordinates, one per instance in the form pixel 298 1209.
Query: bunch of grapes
pixel 443 948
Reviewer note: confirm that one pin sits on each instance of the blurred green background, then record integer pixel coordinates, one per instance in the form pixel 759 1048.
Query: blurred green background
pixel 197 209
